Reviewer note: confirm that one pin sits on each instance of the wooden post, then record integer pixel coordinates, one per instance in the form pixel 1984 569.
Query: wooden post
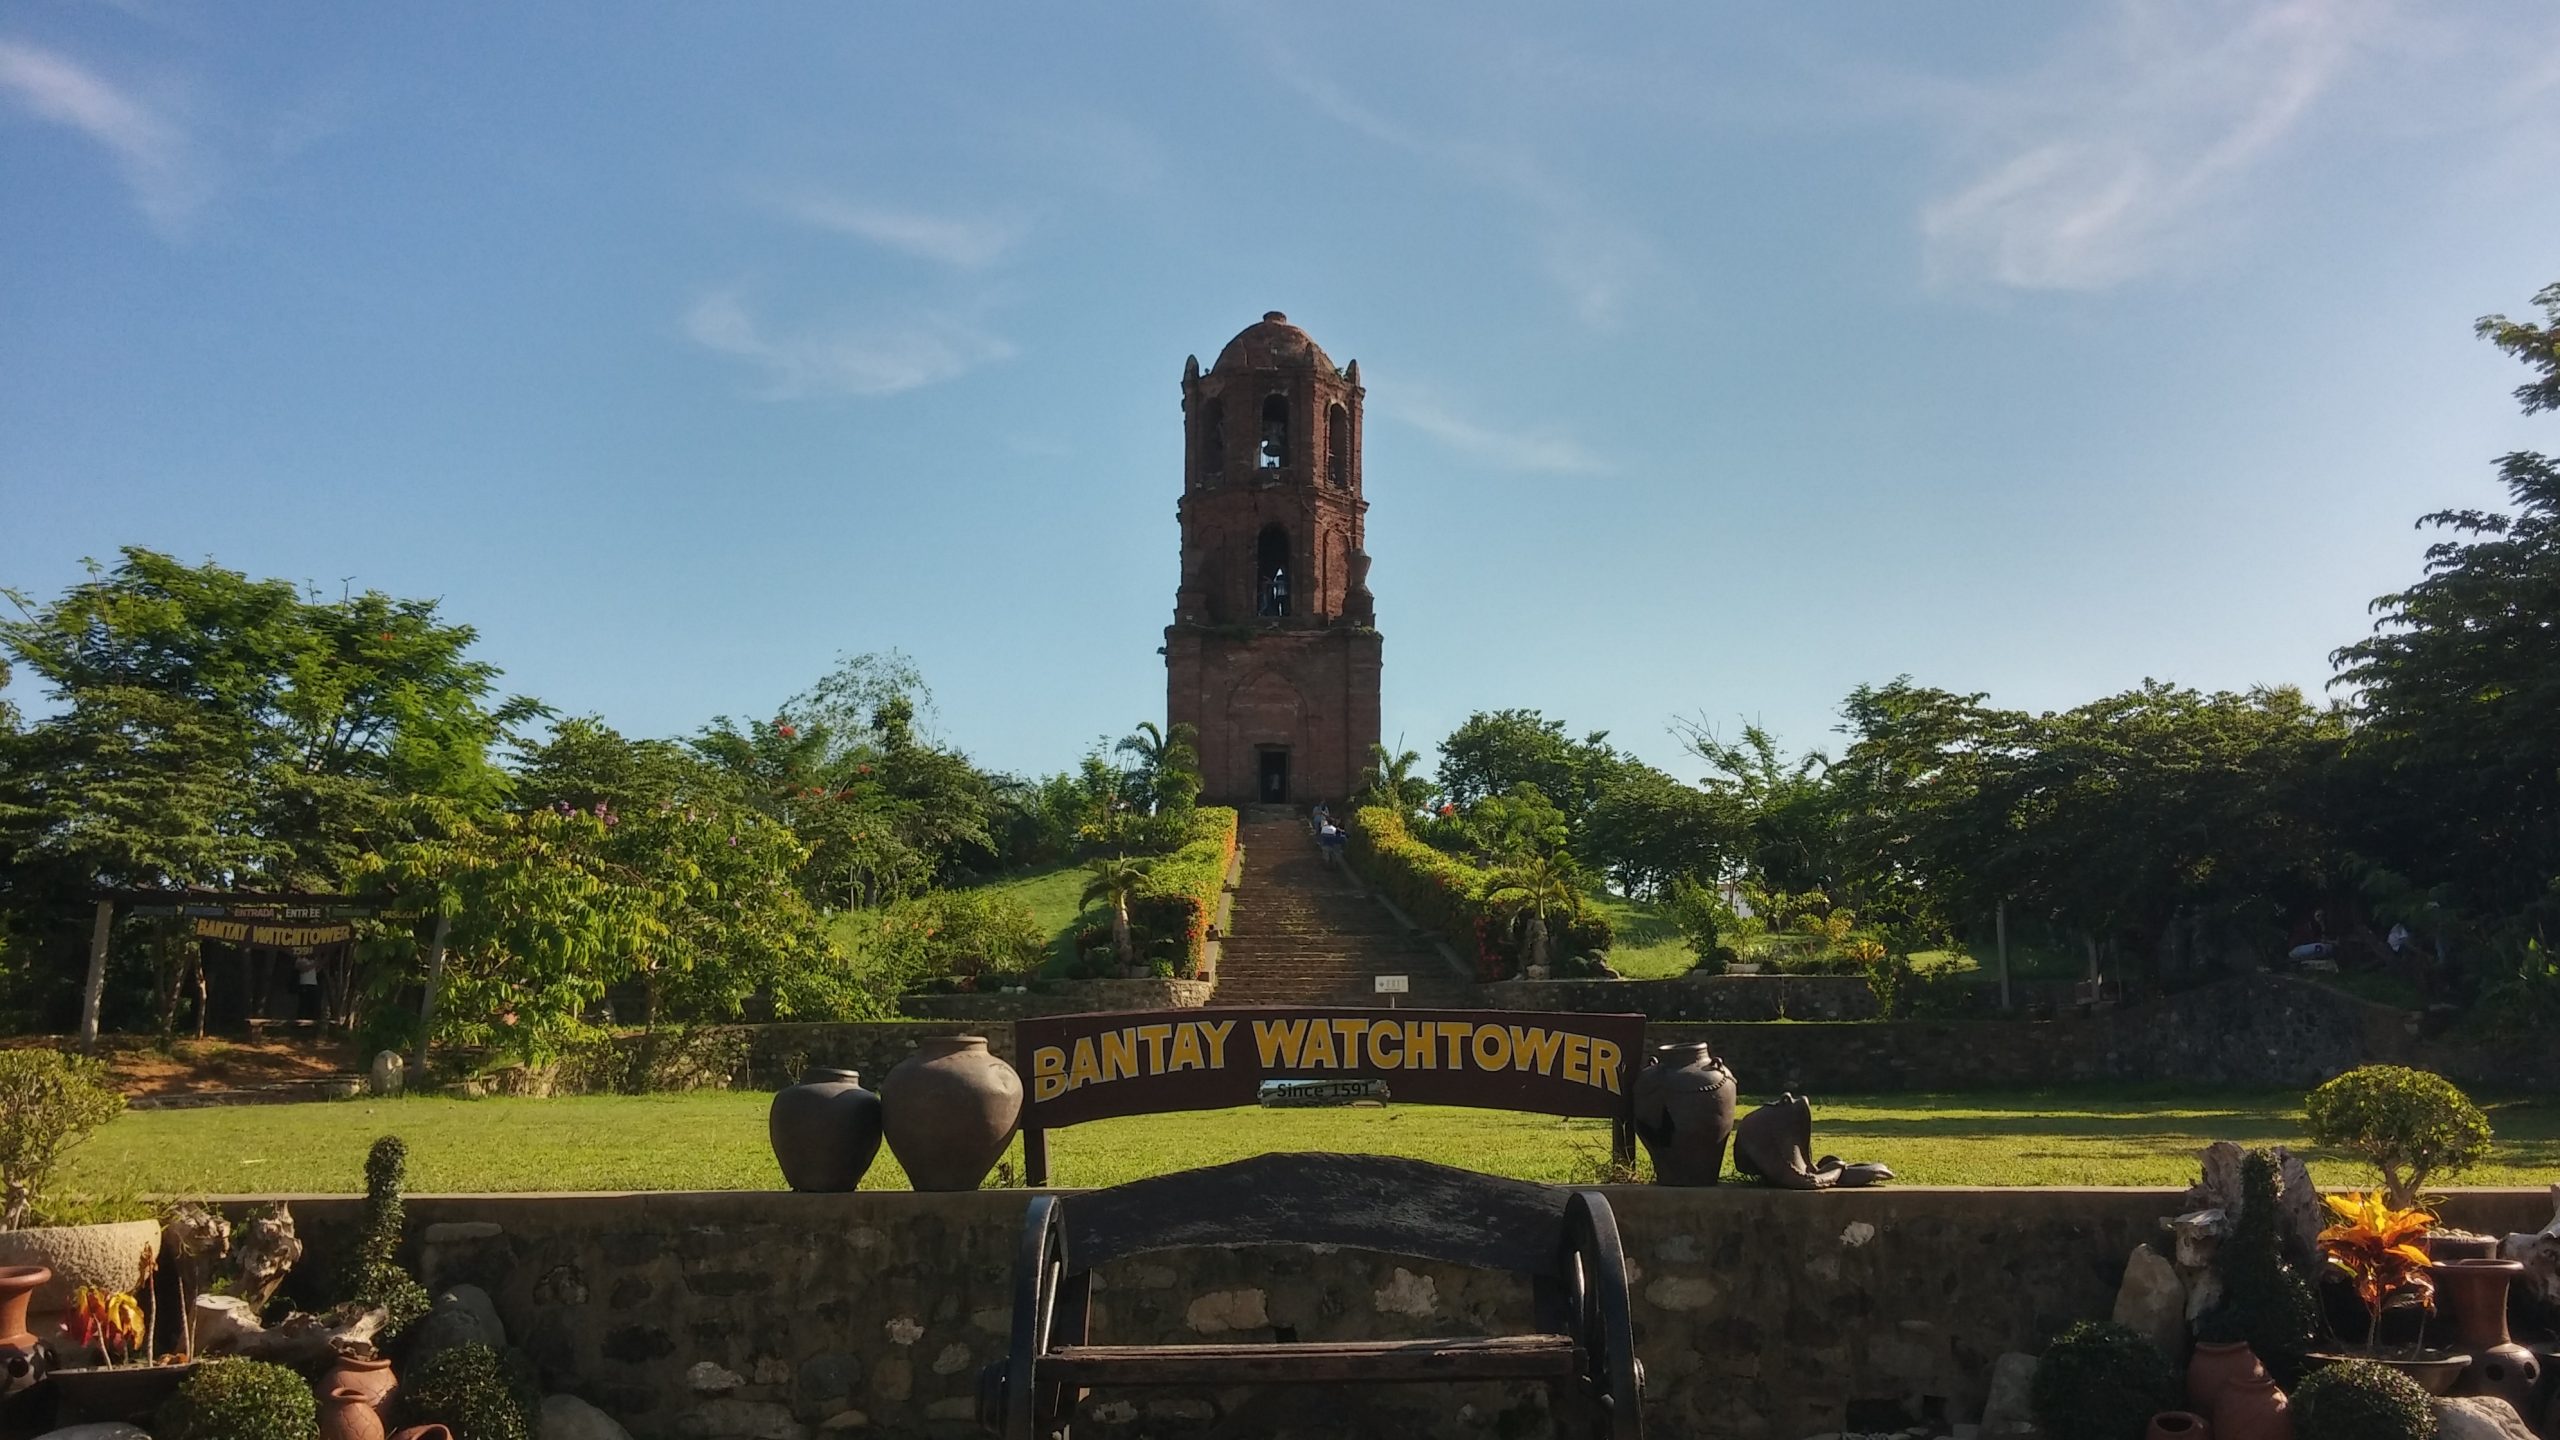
pixel 1035 1157
pixel 2000 929
pixel 427 1007
pixel 97 985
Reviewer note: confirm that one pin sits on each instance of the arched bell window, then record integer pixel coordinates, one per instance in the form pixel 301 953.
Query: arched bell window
pixel 1271 572
pixel 1275 432
pixel 1337 447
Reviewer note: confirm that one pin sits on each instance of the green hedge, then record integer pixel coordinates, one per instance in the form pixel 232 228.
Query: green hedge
pixel 1182 888
pixel 1445 892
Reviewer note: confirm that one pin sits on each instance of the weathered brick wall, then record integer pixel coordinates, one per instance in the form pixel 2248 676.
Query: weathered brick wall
pixel 1757 1313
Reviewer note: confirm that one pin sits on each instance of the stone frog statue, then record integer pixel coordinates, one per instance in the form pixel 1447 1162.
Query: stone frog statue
pixel 1774 1143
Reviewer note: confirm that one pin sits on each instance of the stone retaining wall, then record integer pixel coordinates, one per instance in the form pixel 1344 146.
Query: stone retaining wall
pixel 776 1316
pixel 1697 997
pixel 1071 997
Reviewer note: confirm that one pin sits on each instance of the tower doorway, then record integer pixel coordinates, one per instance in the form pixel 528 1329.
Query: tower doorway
pixel 1274 788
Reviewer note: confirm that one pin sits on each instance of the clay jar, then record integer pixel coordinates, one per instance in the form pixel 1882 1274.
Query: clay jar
pixel 1684 1114
pixel 948 1110
pixel 2252 1408
pixel 2461 1247
pixel 2474 1293
pixel 349 1415
pixel 825 1130
pixel 2177 1425
pixel 369 1376
pixel 2214 1365
pixel 422 1432
pixel 18 1285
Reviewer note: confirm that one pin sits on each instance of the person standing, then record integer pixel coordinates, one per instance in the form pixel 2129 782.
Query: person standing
pixel 306 987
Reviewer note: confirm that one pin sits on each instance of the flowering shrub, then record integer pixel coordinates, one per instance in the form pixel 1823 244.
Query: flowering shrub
pixel 1444 892
pixel 1181 896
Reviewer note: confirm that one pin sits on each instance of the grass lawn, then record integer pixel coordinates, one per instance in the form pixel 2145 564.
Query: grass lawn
pixel 716 1140
pixel 1648 946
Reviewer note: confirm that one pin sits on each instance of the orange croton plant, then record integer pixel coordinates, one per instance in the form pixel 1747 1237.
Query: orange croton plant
pixel 2377 1248
pixel 109 1320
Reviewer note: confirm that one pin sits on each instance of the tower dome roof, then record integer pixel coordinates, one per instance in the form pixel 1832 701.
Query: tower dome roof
pixel 1272 343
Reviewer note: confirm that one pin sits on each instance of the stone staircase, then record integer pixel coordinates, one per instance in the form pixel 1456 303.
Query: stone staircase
pixel 1304 933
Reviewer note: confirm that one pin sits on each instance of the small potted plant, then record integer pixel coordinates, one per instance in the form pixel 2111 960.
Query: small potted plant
pixel 107 1374
pixel 2376 1246
pixel 49 1103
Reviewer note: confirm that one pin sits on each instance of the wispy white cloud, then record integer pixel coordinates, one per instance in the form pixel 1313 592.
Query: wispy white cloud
pixel 2139 143
pixel 966 244
pixel 810 362
pixel 169 177
pixel 1600 262
pixel 1537 449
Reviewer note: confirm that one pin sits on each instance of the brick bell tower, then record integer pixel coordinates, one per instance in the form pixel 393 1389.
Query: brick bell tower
pixel 1273 652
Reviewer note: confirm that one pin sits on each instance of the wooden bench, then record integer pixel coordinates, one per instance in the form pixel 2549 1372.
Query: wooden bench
pixel 1565 1242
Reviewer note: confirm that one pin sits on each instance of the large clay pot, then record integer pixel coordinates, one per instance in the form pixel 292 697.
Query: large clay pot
pixel 2474 1293
pixel 2213 1367
pixel 825 1130
pixel 21 1363
pixel 18 1285
pixel 369 1376
pixel 349 1415
pixel 113 1257
pixel 2252 1408
pixel 2178 1425
pixel 1684 1114
pixel 948 1110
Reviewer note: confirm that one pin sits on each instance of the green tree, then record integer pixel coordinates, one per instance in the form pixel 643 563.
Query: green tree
pixel 1392 779
pixel 1647 829
pixel 1497 750
pixel 2455 690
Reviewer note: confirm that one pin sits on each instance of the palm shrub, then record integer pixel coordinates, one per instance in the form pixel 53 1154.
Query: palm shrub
pixel 2266 1299
pixel 2362 1400
pixel 476 1392
pixel 2407 1124
pixel 2101 1381
pixel 235 1399
pixel 378 1277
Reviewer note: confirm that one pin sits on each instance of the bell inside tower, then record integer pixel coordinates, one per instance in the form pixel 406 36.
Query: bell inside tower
pixel 1271 572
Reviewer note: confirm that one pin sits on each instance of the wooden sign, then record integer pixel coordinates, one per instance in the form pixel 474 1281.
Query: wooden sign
pixel 1395 984
pixel 269 935
pixel 1310 1094
pixel 1077 1068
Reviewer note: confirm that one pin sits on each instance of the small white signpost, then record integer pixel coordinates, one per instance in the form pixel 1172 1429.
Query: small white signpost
pixel 1393 985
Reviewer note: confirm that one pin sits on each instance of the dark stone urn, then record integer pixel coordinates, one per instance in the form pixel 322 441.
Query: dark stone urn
pixel 1684 1114
pixel 949 1109
pixel 2474 1293
pixel 825 1130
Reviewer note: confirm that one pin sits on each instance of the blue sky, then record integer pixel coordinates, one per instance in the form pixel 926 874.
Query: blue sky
pixel 1719 359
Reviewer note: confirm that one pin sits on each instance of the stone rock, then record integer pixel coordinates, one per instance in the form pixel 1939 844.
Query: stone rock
pixel 2539 1253
pixel 566 1417
pixel 706 1378
pixel 2153 1300
pixel 2479 1417
pixel 1408 1294
pixel 482 1308
pixel 2013 1376
pixel 390 1073
pixel 1220 1311
pixel 455 1322
pixel 742 1420
pixel 843 1421
pixel 953 1359
pixel 102 1431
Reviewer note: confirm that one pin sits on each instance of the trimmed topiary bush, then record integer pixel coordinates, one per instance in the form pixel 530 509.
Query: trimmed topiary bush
pixel 2407 1124
pixel 378 1277
pixel 2268 1301
pixel 479 1393
pixel 2362 1400
pixel 234 1399
pixel 2101 1381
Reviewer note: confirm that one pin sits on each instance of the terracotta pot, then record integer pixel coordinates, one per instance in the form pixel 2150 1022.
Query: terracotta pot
pixel 2214 1365
pixel 368 1375
pixel 825 1130
pixel 2178 1425
pixel 1684 1114
pixel 2474 1293
pixel 349 1415
pixel 18 1285
pixel 2462 1247
pixel 422 1432
pixel 948 1110
pixel 109 1256
pixel 2250 1407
